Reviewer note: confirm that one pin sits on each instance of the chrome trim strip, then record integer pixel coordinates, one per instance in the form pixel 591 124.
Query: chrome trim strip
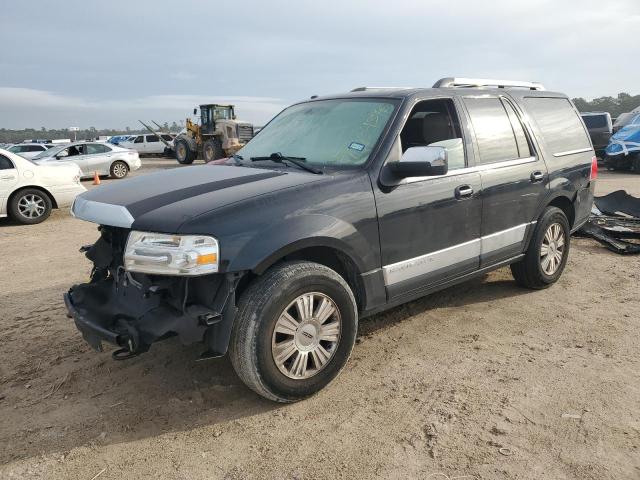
pixel 101 213
pixel 477 168
pixel 430 262
pixel 406 269
pixel 504 238
pixel 572 152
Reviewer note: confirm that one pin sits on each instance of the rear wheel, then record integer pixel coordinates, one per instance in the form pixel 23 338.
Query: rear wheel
pixel 184 154
pixel 30 206
pixel 212 150
pixel 548 251
pixel 119 169
pixel 294 332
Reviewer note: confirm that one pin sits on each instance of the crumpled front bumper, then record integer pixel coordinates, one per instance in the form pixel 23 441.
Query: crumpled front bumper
pixel 133 315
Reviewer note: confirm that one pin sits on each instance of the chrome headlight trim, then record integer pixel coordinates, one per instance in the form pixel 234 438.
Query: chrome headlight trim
pixel 169 254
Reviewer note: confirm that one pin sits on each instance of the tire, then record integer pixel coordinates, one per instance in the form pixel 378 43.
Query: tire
pixel 536 270
pixel 255 343
pixel 30 206
pixel 184 154
pixel 212 150
pixel 118 169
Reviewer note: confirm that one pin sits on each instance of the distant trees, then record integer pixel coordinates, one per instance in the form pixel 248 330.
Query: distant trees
pixel 614 105
pixel 17 136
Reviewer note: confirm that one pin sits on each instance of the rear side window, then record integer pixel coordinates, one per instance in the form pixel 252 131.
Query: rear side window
pixel 559 124
pixel 168 138
pixel 5 163
pixel 595 121
pixel 94 148
pixel 493 129
pixel 152 138
pixel 33 148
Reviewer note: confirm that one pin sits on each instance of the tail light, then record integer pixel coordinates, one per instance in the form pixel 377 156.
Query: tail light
pixel 594 169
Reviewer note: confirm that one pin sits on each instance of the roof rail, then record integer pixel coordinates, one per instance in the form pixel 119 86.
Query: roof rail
pixel 364 89
pixel 451 82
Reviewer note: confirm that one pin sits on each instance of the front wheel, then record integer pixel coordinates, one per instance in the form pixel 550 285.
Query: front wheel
pixel 294 332
pixel 548 251
pixel 184 154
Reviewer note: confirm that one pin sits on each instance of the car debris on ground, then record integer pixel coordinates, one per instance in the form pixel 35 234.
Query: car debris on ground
pixel 615 222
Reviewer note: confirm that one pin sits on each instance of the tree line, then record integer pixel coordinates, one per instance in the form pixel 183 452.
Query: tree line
pixel 623 103
pixel 16 136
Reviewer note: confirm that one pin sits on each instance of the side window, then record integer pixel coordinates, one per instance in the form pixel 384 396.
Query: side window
pixel 435 123
pixel 168 138
pixel 94 148
pixel 524 148
pixel 559 124
pixel 152 139
pixel 34 148
pixel 494 133
pixel 5 163
pixel 139 139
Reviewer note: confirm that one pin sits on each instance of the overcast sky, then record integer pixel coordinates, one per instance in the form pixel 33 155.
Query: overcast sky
pixel 109 63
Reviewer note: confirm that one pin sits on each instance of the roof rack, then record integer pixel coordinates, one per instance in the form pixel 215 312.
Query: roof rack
pixel 451 82
pixel 364 89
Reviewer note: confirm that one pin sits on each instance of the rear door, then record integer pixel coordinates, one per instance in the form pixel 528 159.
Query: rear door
pixel 514 176
pixel 153 144
pixel 98 157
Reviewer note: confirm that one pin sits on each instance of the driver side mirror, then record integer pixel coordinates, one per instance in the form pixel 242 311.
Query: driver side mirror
pixel 421 162
pixel 195 111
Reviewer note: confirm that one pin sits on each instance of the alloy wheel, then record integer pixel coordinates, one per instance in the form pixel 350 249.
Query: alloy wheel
pixel 306 335
pixel 552 249
pixel 120 170
pixel 32 206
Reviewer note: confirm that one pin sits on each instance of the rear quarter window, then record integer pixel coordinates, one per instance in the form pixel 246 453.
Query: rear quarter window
pixel 559 124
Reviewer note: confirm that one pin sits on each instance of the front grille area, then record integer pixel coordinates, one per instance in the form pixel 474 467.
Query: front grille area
pixel 245 132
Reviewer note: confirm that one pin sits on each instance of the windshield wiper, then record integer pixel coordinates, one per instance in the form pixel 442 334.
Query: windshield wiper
pixel 277 157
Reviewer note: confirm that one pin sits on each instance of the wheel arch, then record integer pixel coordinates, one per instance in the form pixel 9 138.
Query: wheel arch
pixel 54 203
pixel 326 251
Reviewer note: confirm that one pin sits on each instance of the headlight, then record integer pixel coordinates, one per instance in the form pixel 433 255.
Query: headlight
pixel 162 254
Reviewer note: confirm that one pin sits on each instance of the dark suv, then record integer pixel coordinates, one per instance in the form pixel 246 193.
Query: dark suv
pixel 341 207
pixel 600 129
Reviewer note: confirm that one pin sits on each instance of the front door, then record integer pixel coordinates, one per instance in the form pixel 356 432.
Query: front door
pixel 514 177
pixel 430 226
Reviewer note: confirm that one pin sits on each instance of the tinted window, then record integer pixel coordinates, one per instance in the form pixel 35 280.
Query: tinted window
pixel 34 148
pixel 595 121
pixel 94 148
pixel 168 138
pixel 494 133
pixel 524 149
pixel 152 138
pixel 138 140
pixel 559 124
pixel 5 163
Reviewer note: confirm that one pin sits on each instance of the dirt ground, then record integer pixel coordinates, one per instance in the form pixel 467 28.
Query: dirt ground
pixel 484 380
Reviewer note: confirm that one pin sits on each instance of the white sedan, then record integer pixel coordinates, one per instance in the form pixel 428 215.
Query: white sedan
pixel 30 150
pixel 93 157
pixel 28 191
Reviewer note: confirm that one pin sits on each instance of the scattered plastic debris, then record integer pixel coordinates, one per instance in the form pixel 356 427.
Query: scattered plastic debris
pixel 615 222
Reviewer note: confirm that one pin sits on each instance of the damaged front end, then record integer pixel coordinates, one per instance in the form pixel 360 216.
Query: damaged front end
pixel 133 310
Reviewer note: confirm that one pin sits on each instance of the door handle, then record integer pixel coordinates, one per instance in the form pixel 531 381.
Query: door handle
pixel 7 177
pixel 463 191
pixel 537 176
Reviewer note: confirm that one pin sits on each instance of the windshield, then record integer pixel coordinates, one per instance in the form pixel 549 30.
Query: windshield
pixel 49 153
pixel 340 133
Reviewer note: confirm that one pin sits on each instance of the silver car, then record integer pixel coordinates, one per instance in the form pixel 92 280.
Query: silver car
pixel 30 150
pixel 94 157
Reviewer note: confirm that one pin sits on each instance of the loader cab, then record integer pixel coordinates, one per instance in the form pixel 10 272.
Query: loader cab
pixel 212 113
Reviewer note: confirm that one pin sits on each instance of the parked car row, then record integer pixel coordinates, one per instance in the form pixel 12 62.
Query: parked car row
pixel 28 191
